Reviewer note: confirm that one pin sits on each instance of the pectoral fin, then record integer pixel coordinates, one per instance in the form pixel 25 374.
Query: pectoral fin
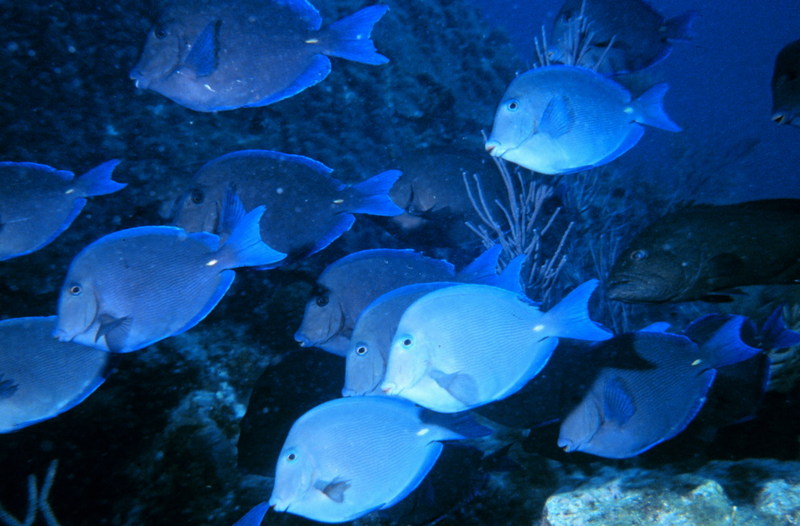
pixel 461 386
pixel 334 489
pixel 7 387
pixel 203 59
pixel 618 404
pixel 115 330
pixel 558 117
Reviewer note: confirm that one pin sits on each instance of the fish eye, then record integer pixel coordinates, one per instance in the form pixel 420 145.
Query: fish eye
pixel 291 457
pixel 322 300
pixel 75 290
pixel 361 350
pixel 160 32
pixel 407 342
pixel 198 196
pixel 638 255
pixel 512 105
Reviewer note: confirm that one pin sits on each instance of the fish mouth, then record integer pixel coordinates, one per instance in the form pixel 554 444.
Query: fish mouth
pixel 638 289
pixel 62 335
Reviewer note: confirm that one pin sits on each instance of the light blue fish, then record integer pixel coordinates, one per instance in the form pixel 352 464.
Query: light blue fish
pixel 212 55
pixel 348 285
pixel 563 119
pixel 629 409
pixel 135 287
pixel 464 346
pixel 41 377
pixel 350 456
pixel 374 329
pixel 306 208
pixel 39 202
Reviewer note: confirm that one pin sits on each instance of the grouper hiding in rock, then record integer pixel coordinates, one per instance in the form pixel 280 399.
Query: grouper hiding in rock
pixel 696 252
pixel 213 55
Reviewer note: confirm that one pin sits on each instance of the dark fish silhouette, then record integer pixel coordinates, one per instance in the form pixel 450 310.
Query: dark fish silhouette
pixel 626 35
pixel 213 55
pixel 693 253
pixel 306 208
pixel 786 85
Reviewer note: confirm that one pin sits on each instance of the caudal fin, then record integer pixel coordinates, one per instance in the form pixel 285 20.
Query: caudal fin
pixel 245 248
pixel 255 516
pixel 725 347
pixel 97 181
pixel 570 317
pixel 372 195
pixel 349 38
pixel 649 109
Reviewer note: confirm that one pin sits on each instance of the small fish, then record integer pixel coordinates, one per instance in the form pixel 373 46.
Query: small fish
pixel 306 208
pixel 39 202
pixel 135 287
pixel 629 34
pixel 698 252
pixel 368 351
pixel 564 119
pixel 435 199
pixel 347 286
pixel 41 377
pixel 218 55
pixel 350 456
pixel 786 85
pixel 627 411
pixel 464 346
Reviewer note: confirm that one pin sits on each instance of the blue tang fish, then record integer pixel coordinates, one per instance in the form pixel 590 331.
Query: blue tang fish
pixel 212 55
pixel 350 456
pixel 347 286
pixel 376 325
pixel 627 411
pixel 39 202
pixel 306 208
pixel 563 119
pixel 629 35
pixel 464 346
pixel 41 377
pixel 135 287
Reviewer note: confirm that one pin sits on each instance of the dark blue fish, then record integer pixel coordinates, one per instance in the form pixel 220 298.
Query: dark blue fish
pixel 41 377
pixel 786 85
pixel 38 202
pixel 135 287
pixel 628 410
pixel 347 286
pixel 213 55
pixel 306 208
pixel 626 35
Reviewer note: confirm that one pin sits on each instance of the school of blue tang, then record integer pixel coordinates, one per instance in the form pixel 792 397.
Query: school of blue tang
pixel 420 344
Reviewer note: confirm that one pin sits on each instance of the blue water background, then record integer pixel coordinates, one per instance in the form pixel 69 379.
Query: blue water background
pixel 719 92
